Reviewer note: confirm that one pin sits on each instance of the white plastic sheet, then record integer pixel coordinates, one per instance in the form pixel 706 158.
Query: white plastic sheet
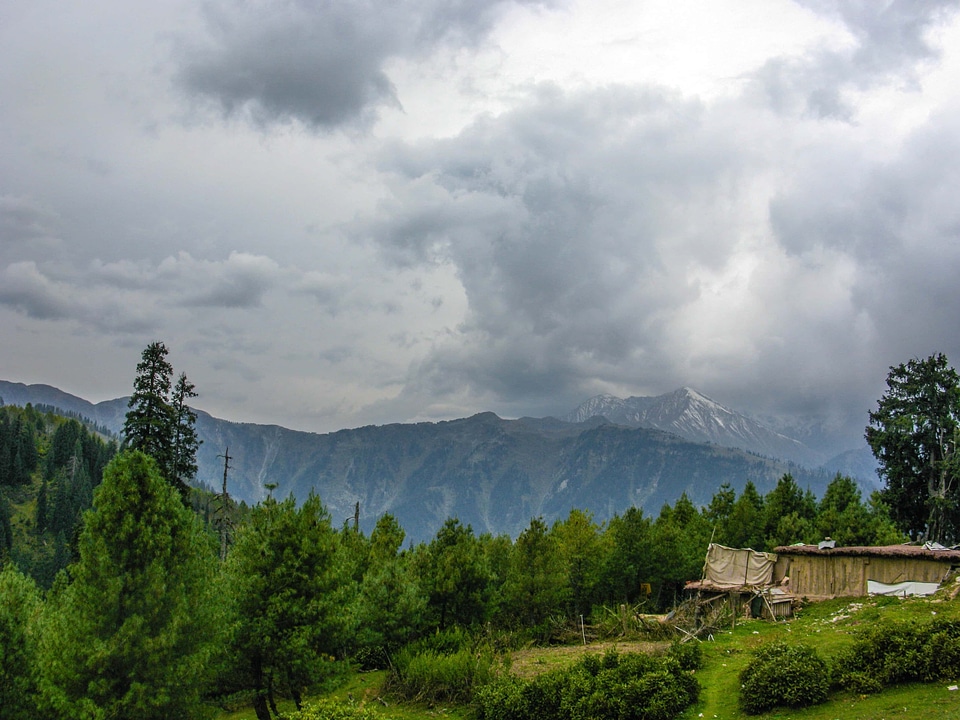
pixel 902 589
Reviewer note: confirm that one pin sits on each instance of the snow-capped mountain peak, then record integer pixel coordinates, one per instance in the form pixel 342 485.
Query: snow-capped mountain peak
pixel 691 414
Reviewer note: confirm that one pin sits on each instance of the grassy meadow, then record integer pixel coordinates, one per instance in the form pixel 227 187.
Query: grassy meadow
pixel 828 626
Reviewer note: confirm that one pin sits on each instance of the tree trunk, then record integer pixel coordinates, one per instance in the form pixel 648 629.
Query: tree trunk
pixel 273 702
pixel 260 706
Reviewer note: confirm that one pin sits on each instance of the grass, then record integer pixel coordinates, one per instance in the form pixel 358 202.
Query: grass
pixel 828 626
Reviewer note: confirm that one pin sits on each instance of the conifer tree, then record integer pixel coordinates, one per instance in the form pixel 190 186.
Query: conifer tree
pixel 19 606
pixel 160 422
pixel 286 592
pixel 130 633
pixel 185 441
pixel 914 434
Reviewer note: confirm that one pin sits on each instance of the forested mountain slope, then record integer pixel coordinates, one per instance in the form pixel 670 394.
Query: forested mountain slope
pixel 492 473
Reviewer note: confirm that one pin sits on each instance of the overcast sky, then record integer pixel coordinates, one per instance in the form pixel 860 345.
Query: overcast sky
pixel 343 213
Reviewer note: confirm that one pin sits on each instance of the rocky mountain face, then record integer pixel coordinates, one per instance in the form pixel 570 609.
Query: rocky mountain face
pixel 492 473
pixel 696 417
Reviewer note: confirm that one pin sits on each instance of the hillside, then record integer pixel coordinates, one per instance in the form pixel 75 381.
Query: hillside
pixel 492 473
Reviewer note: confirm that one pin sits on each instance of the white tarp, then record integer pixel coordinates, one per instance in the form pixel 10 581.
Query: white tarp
pixel 902 589
pixel 731 567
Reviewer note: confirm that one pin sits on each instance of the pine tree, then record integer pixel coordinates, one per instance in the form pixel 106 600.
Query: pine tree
pixel 185 441
pixel 160 422
pixel 19 606
pixel 131 633
pixel 150 418
pixel 287 593
pixel 914 435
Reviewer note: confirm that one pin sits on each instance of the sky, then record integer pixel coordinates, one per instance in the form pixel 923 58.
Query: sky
pixel 338 214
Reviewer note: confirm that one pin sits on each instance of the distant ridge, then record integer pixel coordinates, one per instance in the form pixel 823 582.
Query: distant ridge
pixel 492 473
pixel 694 416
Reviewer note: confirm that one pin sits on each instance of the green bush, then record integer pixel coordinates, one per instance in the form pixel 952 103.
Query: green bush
pixel 612 686
pixel 780 674
pixel 372 658
pixel 689 655
pixel 327 709
pixel 888 653
pixel 941 651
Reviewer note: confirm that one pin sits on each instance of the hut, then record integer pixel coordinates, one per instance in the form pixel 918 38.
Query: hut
pixel 739 581
pixel 822 572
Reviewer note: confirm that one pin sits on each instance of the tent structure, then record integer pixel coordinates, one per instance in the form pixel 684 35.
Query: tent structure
pixel 731 568
pixel 738 582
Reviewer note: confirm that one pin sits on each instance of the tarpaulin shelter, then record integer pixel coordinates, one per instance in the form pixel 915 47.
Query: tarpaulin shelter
pixel 731 567
pixel 739 581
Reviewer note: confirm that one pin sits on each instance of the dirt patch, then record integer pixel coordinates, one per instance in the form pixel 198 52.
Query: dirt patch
pixel 535 661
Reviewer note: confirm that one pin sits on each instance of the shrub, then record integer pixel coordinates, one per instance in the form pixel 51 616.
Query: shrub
pixel 328 709
pixel 780 674
pixel 429 676
pixel 941 651
pixel 372 658
pixel 689 655
pixel 612 686
pixel 887 653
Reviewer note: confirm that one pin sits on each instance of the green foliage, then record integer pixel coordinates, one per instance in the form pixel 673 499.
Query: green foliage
pixel 888 653
pixel 689 656
pixel 913 434
pixel 429 676
pixel 628 563
pixel 788 514
pixel 390 606
pixel 783 675
pixel 159 422
pixel 581 548
pixel 328 709
pixel 455 576
pixel 287 594
pixel 130 631
pixel 19 455
pixel 619 687
pixel 185 440
pixel 19 610
pixel 536 583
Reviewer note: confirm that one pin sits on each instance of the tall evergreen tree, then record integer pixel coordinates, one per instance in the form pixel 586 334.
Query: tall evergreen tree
pixel 150 419
pixel 185 440
pixel 160 422
pixel 131 632
pixel 537 582
pixel 286 595
pixel 455 576
pixel 19 608
pixel 914 434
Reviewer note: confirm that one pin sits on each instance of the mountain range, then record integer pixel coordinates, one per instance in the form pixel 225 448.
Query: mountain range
pixel 496 474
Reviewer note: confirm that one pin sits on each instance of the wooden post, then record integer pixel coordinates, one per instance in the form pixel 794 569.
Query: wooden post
pixel 224 498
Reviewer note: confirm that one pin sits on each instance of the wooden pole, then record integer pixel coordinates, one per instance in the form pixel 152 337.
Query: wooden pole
pixel 223 520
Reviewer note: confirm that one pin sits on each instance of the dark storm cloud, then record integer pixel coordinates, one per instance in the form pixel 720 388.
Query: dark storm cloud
pixel 23 219
pixel 240 282
pixel 890 40
pixel 586 228
pixel 568 221
pixel 24 289
pixel 320 63
pixel 899 222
